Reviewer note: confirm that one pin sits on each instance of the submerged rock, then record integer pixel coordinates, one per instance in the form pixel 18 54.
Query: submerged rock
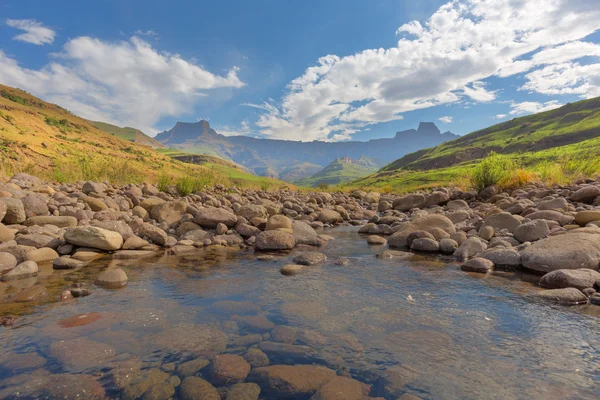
pixel 291 381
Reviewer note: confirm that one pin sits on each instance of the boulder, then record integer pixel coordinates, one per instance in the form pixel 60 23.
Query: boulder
pixel 502 221
pixel 566 296
pixel 15 212
pixel 502 256
pixel 584 217
pixel 310 258
pixel 425 244
pixel 6 235
pixel 469 248
pixel 154 233
pixel 532 231
pixel 478 264
pixel 376 240
pixel 169 212
pixel 194 388
pixel 32 293
pixel 551 215
pixel 45 254
pixel 94 237
pixel 448 246
pixel 60 221
pixel 571 251
pixel 243 391
pixel 408 202
pixel 586 194
pixel 558 203
pixel 112 279
pixel 425 223
pixel 25 269
pixel 291 381
pixel 329 216
pixel 93 187
pixel 574 278
pixel 372 197
pixel 250 211
pixel 305 234
pixel 7 262
pixel 275 240
pixel 210 217
pixel 292 269
pixel 279 222
pixel 340 388
pixel 227 369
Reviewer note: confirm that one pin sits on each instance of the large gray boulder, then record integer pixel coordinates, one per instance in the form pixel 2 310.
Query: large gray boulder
pixel 94 237
pixel 571 251
pixel 275 240
pixel 502 221
pixel 15 211
pixel 169 212
pixel 407 202
pixel 551 215
pixel 566 296
pixel 586 194
pixel 532 231
pixel 576 278
pixel 425 223
pixel 211 217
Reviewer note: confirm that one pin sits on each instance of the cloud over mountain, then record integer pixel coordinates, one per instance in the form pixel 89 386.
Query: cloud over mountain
pixel 35 32
pixel 444 60
pixel 126 82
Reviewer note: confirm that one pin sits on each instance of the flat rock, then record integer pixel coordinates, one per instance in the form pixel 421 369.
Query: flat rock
pixel 60 221
pixel 227 369
pixel 340 388
pixel 243 391
pixel 310 258
pixel 574 278
pixel 275 240
pixel 211 217
pixel 81 354
pixel 94 237
pixel 292 269
pixel 33 293
pixel 194 388
pixel 570 251
pixel 478 264
pixel 566 296
pixel 191 340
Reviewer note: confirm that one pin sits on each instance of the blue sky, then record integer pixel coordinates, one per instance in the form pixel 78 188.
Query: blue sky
pixel 328 70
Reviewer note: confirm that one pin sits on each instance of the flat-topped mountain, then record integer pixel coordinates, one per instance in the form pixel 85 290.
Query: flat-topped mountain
pixel 273 157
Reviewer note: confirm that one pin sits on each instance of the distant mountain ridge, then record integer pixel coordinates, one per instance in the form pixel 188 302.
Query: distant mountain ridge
pixel 341 170
pixel 273 157
pixel 130 134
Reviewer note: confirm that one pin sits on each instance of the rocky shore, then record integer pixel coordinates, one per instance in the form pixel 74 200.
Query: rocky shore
pixel 550 231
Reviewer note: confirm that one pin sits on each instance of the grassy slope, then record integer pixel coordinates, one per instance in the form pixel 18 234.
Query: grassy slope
pixel 336 173
pixel 46 140
pixel 129 134
pixel 564 138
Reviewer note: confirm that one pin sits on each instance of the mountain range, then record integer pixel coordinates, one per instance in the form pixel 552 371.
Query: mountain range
pixel 294 160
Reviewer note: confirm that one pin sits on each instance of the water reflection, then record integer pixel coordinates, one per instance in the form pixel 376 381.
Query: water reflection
pixel 417 326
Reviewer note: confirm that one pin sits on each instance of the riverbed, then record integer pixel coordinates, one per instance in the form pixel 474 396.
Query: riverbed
pixel 456 335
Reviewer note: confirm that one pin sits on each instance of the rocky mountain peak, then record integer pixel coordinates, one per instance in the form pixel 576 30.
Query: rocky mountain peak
pixel 428 127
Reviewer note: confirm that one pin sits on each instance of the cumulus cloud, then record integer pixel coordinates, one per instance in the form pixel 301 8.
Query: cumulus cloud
pixel 532 107
pixel 35 32
pixel 126 82
pixel 445 59
pixel 447 119
pixel 243 130
pixel 500 116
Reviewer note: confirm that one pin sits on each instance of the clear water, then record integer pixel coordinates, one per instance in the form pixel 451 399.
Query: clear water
pixel 464 336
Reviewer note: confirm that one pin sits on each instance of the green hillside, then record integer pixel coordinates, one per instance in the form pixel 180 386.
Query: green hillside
pixel 129 134
pixel 340 171
pixel 553 146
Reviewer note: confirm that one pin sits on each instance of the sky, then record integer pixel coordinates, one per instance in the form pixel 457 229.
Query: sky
pixel 303 70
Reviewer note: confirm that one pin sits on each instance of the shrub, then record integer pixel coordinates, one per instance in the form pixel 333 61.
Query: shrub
pixel 164 181
pixel 491 171
pixel 186 185
pixel 323 186
pixel 519 178
pixel 265 185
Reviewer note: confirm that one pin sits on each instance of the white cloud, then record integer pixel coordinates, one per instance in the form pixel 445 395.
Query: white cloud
pixel 244 130
pixel 532 107
pixel 500 116
pixel 126 82
pixel 441 61
pixel 447 119
pixel 35 32
pixel 565 78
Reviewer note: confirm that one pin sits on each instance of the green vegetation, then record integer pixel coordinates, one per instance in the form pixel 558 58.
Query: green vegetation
pixel 553 147
pixel 61 124
pixel 14 97
pixel 492 170
pixel 122 133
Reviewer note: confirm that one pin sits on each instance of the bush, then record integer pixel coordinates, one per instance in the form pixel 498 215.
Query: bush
pixel 492 170
pixel 323 186
pixel 164 181
pixel 186 185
